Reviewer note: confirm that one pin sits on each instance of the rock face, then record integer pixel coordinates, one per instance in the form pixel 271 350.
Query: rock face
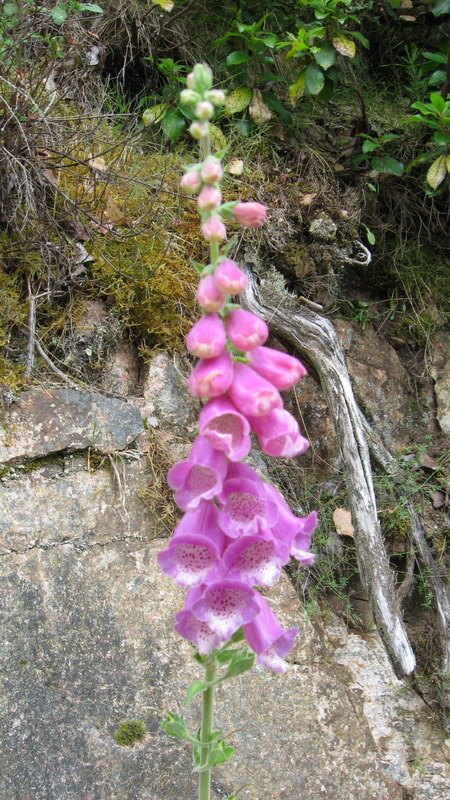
pixel 88 643
pixel 440 371
pixel 50 420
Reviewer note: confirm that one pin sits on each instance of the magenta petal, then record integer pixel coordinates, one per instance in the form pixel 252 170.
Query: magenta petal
pixel 245 330
pixel 228 278
pixel 207 338
pixel 279 434
pixel 279 368
pixel 251 394
pixel 225 428
pixel 245 507
pixel 267 638
pixel 196 631
pixel 200 477
pixel 256 559
pixel 191 559
pixel 212 376
pixel 225 606
pixel 302 539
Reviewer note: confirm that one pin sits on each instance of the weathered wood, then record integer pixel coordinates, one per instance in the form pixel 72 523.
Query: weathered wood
pixel 315 338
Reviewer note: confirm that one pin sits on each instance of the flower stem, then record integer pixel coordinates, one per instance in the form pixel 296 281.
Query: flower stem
pixel 206 730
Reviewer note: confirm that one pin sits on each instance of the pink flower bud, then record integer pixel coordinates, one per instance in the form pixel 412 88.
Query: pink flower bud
pixel 229 278
pixel 212 376
pixel 279 434
pixel 213 229
pixel 188 97
pixel 209 296
pixel 212 170
pixel 249 214
pixel 191 182
pixel 190 79
pixel 245 330
pixel 207 338
pixel 199 130
pixel 251 394
pixel 279 368
pixel 209 198
pixel 204 110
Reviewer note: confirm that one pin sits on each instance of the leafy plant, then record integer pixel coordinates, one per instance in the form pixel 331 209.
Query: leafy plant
pixel 435 115
pixel 374 151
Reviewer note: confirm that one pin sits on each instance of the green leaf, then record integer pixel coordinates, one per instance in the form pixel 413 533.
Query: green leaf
pixel 424 108
pixel 154 114
pixel 357 35
pixel 437 101
pixel 238 636
pixel 224 656
pixel 174 725
pixel 447 161
pixel 314 79
pixel 344 46
pixel 441 7
pixel 9 9
pixel 369 146
pixel 243 126
pixel 173 124
pixel 440 57
pixel 277 106
pixel 237 57
pixel 441 138
pixel 326 56
pixel 297 89
pixel 59 15
pixel 241 664
pixel 437 171
pixel 194 688
pixel 218 140
pixel 93 7
pixel 237 101
pixel 387 164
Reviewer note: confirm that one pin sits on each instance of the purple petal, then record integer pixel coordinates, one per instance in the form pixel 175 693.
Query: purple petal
pixel 267 638
pixel 200 477
pixel 196 631
pixel 256 559
pixel 245 507
pixel 225 428
pixel 225 606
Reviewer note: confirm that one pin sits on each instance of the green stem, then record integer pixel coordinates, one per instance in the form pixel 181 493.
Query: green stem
pixel 206 730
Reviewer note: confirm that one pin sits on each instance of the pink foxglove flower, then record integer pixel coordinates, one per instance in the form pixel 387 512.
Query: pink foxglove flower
pixel 302 539
pixel 256 559
pixel 279 368
pixel 209 296
pixel 213 229
pixel 245 330
pixel 251 215
pixel 193 555
pixel 211 171
pixel 200 477
pixel 212 376
pixel 267 638
pixel 245 507
pixel 194 630
pixel 229 278
pixel 279 434
pixel 295 531
pixel 191 182
pixel 251 393
pixel 207 338
pixel 225 428
pixel 204 110
pixel 225 606
pixel 209 198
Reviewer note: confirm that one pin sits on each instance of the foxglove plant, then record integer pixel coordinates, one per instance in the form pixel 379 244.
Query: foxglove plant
pixel 237 531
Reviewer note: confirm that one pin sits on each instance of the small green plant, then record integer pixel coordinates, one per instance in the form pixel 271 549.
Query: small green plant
pixel 130 732
pixel 434 115
pixel 374 152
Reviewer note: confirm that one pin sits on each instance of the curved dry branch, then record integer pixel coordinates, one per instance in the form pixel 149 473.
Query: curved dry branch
pixel 315 338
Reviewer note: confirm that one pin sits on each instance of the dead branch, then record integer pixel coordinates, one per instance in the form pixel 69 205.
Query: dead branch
pixel 315 338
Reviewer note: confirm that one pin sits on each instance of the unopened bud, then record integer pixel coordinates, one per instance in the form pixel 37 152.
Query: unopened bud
pixel 199 130
pixel 191 182
pixel 189 97
pixel 203 110
pixel 202 78
pixel 212 170
pixel 216 97
pixel 209 198
pixel 213 229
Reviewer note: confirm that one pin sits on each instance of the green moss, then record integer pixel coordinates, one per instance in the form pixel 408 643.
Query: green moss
pixel 130 732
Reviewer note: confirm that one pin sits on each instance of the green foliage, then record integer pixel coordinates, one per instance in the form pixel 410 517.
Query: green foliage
pixel 435 115
pixel 374 152
pixel 130 732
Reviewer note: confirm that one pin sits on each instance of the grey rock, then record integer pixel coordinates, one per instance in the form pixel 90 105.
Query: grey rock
pixel 323 228
pixel 47 421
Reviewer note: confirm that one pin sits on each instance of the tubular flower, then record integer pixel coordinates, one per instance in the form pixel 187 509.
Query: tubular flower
pixel 279 434
pixel 267 638
pixel 225 606
pixel 213 229
pixel 229 278
pixel 211 377
pixel 200 477
pixel 279 368
pixel 245 330
pixel 256 559
pixel 252 394
pixel 207 338
pixel 250 215
pixel 209 296
pixel 225 428
pixel 195 549
pixel 245 507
